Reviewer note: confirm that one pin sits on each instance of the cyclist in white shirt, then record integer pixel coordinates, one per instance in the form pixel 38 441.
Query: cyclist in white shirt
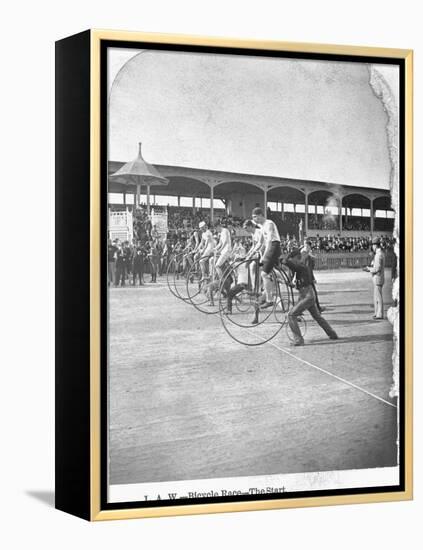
pixel 192 244
pixel 241 281
pixel 269 247
pixel 219 261
pixel 257 244
pixel 223 248
pixel 256 235
pixel 205 249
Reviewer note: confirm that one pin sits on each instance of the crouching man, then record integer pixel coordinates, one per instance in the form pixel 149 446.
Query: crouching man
pixel 307 299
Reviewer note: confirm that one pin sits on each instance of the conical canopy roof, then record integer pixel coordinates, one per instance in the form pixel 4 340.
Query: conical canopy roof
pixel 139 172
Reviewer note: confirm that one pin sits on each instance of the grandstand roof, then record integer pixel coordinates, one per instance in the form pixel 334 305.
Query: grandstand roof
pixel 189 182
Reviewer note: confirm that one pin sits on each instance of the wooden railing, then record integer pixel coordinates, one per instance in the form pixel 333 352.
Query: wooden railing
pixel 347 260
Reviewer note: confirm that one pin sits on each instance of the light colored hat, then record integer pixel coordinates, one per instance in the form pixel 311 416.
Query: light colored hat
pixel 202 224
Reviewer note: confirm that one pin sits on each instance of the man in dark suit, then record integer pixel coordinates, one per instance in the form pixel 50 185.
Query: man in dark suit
pixel 310 261
pixel 306 300
pixel 111 260
pixel 120 266
pixel 128 254
pixel 138 266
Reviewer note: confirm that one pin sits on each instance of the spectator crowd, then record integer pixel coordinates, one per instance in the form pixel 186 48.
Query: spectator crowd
pixel 149 252
pixel 330 244
pixel 130 262
pixel 181 220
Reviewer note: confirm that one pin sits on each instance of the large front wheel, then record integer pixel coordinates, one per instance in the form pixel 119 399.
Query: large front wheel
pixel 176 276
pixel 242 313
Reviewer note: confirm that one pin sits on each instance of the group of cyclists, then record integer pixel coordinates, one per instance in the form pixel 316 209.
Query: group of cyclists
pixel 215 257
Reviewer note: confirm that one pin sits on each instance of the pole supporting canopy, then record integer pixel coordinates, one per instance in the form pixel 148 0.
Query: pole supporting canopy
pixel 139 172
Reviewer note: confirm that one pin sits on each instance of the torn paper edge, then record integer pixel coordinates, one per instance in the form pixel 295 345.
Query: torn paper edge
pixel 383 91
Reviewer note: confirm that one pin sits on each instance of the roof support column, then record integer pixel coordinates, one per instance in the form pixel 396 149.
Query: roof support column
pixel 211 203
pixel 137 200
pixel 306 214
pixel 372 218
pixel 265 188
pixel 148 200
pixel 340 214
pixel 211 182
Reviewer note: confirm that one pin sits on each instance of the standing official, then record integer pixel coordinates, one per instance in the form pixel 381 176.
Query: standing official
pixel 154 257
pixel 120 274
pixel 111 260
pixel 138 266
pixel 377 270
pixel 128 253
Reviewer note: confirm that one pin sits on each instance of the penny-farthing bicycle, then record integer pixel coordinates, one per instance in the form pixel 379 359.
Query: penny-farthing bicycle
pixel 241 311
pixel 203 284
pixel 176 274
pixel 172 267
pixel 237 296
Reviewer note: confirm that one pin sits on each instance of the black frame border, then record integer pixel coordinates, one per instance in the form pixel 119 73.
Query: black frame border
pixel 104 45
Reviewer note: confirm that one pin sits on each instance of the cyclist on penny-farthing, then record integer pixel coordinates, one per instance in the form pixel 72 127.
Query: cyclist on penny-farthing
pixel 193 242
pixel 269 247
pixel 245 272
pixel 223 249
pixel 204 251
pixel 220 261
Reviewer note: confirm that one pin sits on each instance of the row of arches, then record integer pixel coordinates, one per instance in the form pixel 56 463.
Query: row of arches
pixel 335 202
pixel 183 186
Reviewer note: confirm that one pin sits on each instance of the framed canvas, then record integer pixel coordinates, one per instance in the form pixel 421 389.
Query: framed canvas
pixel 234 275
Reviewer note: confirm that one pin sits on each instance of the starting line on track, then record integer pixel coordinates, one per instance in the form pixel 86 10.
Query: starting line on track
pixel 347 382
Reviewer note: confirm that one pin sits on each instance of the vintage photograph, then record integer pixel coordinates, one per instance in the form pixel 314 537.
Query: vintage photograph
pixel 253 262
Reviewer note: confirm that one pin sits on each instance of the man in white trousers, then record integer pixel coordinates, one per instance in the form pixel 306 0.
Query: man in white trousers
pixel 377 270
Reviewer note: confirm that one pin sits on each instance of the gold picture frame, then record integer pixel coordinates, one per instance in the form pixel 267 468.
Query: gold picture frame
pixel 78 485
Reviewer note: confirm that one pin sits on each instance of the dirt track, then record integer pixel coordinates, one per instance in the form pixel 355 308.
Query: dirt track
pixel 187 402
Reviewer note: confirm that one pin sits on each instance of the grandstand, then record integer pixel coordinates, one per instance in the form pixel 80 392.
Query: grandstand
pixel 342 210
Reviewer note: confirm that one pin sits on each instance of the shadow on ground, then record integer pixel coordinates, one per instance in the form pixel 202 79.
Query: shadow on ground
pixel 351 339
pixel 340 291
pixel 354 322
pixel 46 497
